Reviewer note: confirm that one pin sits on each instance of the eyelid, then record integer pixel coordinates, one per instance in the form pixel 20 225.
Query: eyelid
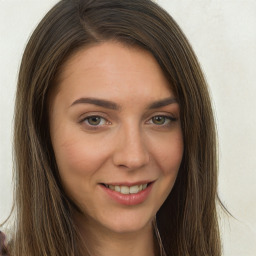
pixel 164 114
pixel 88 126
pixel 96 125
pixel 169 116
pixel 91 114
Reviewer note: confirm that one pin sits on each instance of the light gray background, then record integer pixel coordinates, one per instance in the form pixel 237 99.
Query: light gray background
pixel 223 34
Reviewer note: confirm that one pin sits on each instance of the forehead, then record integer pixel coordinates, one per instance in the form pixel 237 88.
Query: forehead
pixel 111 68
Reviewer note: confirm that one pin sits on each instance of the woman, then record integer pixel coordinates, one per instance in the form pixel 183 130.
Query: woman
pixel 114 141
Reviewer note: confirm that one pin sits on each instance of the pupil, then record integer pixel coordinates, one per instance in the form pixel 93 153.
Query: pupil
pixel 159 120
pixel 94 120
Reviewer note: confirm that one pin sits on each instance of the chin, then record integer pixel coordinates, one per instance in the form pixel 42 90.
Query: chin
pixel 128 227
pixel 127 222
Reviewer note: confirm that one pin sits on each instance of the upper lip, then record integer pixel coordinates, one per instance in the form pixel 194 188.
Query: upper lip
pixel 128 184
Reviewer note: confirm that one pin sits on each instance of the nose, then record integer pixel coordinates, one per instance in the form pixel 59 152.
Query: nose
pixel 130 150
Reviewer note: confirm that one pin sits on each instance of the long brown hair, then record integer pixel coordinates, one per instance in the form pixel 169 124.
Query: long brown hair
pixel 187 221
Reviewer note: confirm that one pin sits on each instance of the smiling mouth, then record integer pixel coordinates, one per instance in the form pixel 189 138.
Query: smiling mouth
pixel 125 190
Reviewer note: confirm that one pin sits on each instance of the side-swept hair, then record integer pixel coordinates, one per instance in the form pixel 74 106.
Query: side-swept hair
pixel 187 221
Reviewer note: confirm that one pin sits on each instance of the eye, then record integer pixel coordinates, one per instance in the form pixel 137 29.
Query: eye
pixel 94 120
pixel 162 120
pixel 159 120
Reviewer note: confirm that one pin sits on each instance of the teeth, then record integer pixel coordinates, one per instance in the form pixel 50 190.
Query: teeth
pixel 134 189
pixel 144 186
pixel 128 190
pixel 125 190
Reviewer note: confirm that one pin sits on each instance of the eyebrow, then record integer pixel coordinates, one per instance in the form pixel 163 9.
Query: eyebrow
pixel 97 102
pixel 114 106
pixel 162 103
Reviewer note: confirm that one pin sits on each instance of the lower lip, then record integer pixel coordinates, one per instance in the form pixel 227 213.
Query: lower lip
pixel 129 199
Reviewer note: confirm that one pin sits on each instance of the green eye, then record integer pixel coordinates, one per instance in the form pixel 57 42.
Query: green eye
pixel 159 120
pixel 94 120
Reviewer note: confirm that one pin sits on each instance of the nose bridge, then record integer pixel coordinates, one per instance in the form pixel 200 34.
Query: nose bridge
pixel 131 150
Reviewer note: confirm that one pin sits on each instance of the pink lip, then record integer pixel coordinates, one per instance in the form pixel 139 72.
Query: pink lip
pixel 129 199
pixel 129 184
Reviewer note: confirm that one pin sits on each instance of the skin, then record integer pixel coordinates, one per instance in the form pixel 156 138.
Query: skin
pixel 126 144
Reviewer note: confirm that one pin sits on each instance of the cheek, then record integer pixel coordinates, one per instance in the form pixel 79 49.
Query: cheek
pixel 78 163
pixel 77 158
pixel 169 154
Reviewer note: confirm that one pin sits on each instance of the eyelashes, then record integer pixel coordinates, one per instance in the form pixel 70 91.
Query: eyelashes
pixel 162 120
pixel 95 122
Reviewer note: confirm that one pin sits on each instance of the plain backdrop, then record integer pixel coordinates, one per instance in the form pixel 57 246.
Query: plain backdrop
pixel 223 35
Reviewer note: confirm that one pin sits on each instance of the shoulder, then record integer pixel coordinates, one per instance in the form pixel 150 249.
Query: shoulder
pixel 3 249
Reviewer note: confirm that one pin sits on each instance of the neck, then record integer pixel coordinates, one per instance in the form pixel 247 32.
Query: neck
pixel 101 241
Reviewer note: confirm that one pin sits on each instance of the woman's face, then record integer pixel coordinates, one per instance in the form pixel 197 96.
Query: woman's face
pixel 116 134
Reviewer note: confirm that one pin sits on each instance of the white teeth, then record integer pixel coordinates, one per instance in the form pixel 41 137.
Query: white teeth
pixel 128 190
pixel 134 189
pixel 125 190
pixel 117 188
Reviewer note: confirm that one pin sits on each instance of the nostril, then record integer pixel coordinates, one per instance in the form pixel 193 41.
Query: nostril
pixel 130 152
